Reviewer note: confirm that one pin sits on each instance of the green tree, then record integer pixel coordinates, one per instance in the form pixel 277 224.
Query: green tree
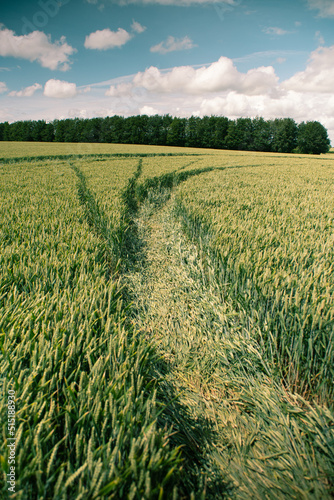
pixel 165 124
pixel 21 131
pixel 39 130
pixel 240 135
pixel 206 131
pixel 134 130
pixel 284 135
pixel 192 139
pixel 6 132
pixel 262 137
pixel 221 127
pixel 59 128
pixel 47 134
pixel 116 126
pixel 3 127
pixel 93 130
pixel 153 128
pixel 312 138
pixel 176 133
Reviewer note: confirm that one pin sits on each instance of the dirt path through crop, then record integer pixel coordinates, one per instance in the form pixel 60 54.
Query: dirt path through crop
pixel 241 433
pixel 175 305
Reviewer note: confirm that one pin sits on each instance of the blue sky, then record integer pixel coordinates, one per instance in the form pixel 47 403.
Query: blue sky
pixel 67 58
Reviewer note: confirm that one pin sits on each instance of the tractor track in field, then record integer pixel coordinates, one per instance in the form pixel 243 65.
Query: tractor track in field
pixel 240 433
pixel 148 262
pixel 175 308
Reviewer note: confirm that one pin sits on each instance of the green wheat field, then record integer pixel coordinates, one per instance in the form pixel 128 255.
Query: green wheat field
pixel 166 322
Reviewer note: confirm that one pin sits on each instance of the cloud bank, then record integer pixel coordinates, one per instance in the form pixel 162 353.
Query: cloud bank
pixel 36 46
pixel 27 92
pixel 217 77
pixel 318 76
pixel 107 39
pixel 60 89
pixel 218 88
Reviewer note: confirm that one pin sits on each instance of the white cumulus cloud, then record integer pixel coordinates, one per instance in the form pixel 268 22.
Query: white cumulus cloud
pixel 60 89
pixel 173 44
pixel 107 39
pixel 219 76
pixel 36 46
pixel 26 92
pixel 319 73
pixel 235 105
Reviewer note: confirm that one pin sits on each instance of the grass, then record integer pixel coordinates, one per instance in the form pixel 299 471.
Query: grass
pixel 270 231
pixel 248 432
pixel 85 396
pixel 166 322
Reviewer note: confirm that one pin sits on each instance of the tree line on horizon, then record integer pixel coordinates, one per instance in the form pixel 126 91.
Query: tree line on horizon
pixel 281 135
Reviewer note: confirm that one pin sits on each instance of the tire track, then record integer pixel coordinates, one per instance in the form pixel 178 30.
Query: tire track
pixel 239 430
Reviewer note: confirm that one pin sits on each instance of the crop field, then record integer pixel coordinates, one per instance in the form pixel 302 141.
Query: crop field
pixel 166 323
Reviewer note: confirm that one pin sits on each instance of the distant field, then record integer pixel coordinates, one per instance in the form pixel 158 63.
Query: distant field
pixel 23 149
pixel 166 322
